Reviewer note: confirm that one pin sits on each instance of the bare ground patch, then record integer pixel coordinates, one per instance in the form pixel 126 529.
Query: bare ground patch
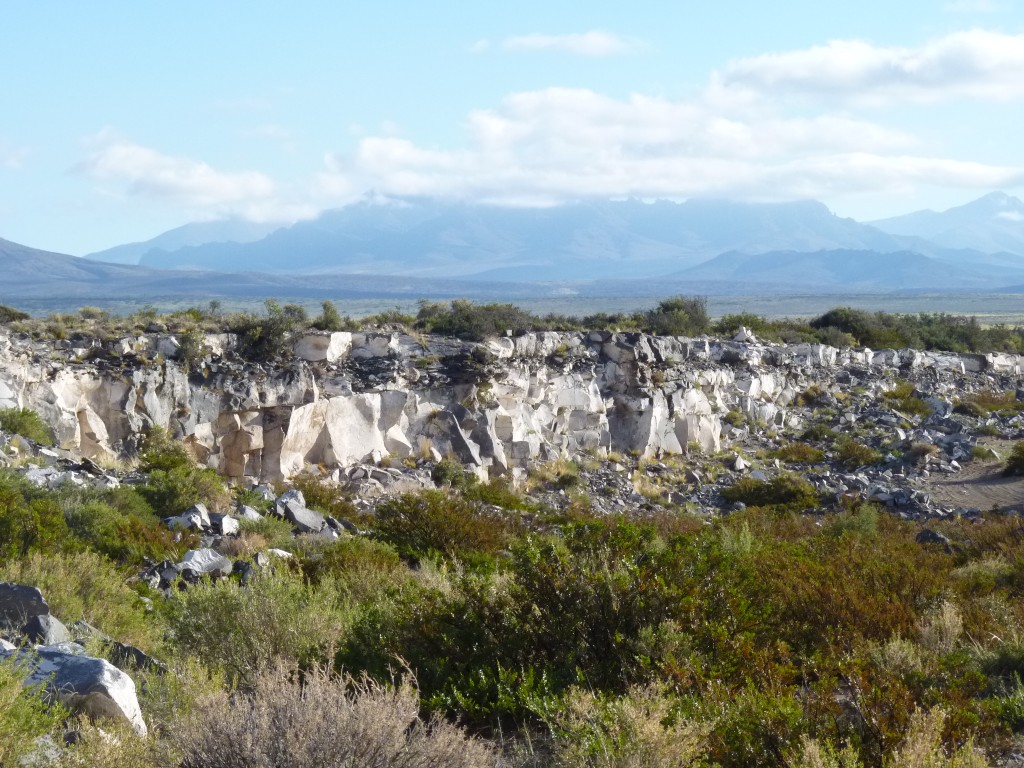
pixel 980 484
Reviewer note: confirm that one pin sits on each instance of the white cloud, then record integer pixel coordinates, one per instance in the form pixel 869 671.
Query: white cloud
pixel 548 146
pixel 975 64
pixel 592 43
pixel 179 180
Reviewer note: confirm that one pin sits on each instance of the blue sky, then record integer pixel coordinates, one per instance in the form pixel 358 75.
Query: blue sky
pixel 126 119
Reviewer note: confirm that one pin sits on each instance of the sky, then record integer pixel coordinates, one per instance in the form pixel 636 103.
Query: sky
pixel 124 119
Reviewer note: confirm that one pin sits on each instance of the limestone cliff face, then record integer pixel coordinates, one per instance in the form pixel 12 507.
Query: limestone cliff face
pixel 499 405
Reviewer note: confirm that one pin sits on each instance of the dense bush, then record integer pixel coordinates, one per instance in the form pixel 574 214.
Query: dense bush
pixel 788 491
pixel 242 631
pixel 902 398
pixel 881 330
pixel 1015 462
pixel 475 322
pixel 24 716
pixel 678 316
pixel 264 338
pixel 798 453
pixel 86 586
pixel 12 315
pixel 24 422
pixel 30 520
pixel 174 482
pixel 852 454
pixel 435 521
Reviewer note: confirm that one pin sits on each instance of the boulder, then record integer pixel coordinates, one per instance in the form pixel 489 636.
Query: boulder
pixel 206 561
pixel 248 513
pixel 929 536
pixel 19 603
pixel 291 495
pixel 225 525
pixel 305 520
pixel 45 630
pixel 91 686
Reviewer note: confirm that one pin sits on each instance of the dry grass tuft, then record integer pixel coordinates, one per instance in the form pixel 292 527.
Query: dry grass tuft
pixel 316 719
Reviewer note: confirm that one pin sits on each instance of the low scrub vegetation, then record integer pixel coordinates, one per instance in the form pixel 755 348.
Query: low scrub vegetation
pixel 786 633
pixel 264 335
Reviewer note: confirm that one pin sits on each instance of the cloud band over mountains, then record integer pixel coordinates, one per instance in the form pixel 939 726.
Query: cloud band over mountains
pixel 792 124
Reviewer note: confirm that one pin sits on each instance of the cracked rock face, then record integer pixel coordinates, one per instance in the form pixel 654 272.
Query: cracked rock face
pixel 347 398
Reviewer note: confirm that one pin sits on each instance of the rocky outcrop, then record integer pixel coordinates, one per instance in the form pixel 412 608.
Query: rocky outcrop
pixel 346 398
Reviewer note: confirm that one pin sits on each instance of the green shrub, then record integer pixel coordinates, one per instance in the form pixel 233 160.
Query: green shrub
pixel 12 315
pixel 331 320
pixel 786 491
pixel 798 453
pixel 497 492
pixel 921 747
pixel 266 338
pixel 273 532
pixel 30 521
pixel 812 394
pixel 902 398
pixel 325 496
pixel 819 433
pixel 980 404
pixel 242 631
pixel 678 316
pixel 435 521
pixel 1015 462
pixel 734 418
pixel 852 454
pixel 191 347
pixel 24 422
pixel 639 728
pixel 474 322
pixel 451 473
pixel 174 482
pixel 86 586
pixel 120 524
pixel 359 567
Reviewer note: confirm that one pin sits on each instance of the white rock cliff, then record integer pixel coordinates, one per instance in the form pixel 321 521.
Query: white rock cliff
pixel 499 405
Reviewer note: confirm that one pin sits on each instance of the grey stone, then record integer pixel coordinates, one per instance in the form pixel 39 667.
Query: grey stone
pixel 205 561
pixel 248 513
pixel 225 525
pixel 92 686
pixel 304 520
pixel 930 536
pixel 19 603
pixel 45 630
pixel 293 495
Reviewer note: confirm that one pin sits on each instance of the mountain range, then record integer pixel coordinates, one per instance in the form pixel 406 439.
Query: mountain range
pixel 417 247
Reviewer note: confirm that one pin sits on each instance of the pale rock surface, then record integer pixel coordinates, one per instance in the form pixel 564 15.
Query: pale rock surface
pixel 501 406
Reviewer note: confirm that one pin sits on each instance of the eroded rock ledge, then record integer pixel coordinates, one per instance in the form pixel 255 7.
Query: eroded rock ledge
pixel 345 398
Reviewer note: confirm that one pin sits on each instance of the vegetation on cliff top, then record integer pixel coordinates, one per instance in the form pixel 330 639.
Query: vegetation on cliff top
pixel 263 335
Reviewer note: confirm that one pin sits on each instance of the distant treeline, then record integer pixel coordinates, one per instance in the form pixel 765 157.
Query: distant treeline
pixel 264 334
